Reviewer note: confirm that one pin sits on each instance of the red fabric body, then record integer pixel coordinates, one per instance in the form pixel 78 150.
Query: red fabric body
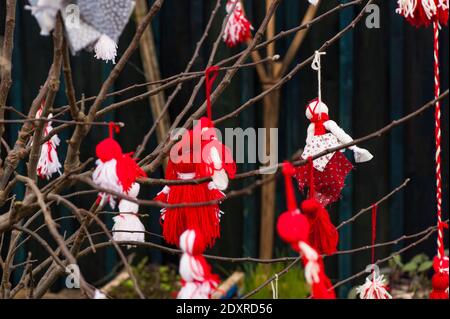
pixel 329 183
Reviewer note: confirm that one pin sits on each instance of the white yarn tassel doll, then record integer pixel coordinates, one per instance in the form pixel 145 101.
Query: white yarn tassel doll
pixel 48 162
pixel 330 170
pixel 127 225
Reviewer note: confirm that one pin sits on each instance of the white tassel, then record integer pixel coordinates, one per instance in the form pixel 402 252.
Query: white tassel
pixel 106 49
pixel 194 290
pixel 406 8
pixel 429 6
pixel 48 162
pixel 105 176
pixel 373 288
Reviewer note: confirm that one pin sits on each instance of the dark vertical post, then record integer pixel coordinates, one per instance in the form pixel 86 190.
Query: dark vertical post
pixel 345 120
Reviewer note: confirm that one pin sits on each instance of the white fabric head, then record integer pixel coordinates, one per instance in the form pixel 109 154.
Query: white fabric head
pixel 316 108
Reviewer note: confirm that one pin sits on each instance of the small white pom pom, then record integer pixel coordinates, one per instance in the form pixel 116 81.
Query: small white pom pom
pixel 106 49
pixel 314 2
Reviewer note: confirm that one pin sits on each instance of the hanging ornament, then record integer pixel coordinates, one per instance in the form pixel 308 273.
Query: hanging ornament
pixel 238 28
pixel 440 278
pixel 45 12
pixel 91 25
pixel 293 228
pixel 423 12
pixel 127 225
pixel 115 171
pixel 330 170
pixel 375 286
pixel 48 163
pixel 323 235
pixel 198 154
pixel 197 280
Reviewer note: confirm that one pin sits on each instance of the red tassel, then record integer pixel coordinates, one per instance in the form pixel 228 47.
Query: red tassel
pixel 238 28
pixel 128 171
pixel 323 235
pixel 323 289
pixel 423 12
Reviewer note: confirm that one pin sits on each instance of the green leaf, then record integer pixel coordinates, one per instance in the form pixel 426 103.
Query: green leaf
pixel 425 266
pixel 398 260
pixel 410 267
pixel 419 258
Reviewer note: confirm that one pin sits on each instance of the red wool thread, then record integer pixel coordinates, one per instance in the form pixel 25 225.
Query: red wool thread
pixel 292 226
pixel 375 285
pixel 211 74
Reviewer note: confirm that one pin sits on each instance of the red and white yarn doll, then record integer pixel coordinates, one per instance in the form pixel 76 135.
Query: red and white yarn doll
pixel 199 154
pixel 293 227
pixel 48 163
pixel 197 280
pixel 238 28
pixel 423 13
pixel 375 286
pixel 331 169
pixel 115 171
pixel 127 225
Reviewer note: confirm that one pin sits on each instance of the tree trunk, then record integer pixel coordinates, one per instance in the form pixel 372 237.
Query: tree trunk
pixel 271 105
pixel 151 68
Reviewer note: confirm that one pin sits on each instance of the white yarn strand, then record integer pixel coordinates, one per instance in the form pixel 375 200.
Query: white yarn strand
pixel 316 65
pixel 274 287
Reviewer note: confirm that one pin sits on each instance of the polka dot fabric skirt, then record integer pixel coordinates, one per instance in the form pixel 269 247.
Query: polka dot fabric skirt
pixel 329 183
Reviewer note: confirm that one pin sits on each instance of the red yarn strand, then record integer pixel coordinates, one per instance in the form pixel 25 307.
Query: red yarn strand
pixel 210 76
pixel 288 172
pixel 311 177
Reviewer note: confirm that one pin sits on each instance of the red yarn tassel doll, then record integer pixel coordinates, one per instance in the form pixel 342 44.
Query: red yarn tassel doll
pixel 192 158
pixel 199 154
